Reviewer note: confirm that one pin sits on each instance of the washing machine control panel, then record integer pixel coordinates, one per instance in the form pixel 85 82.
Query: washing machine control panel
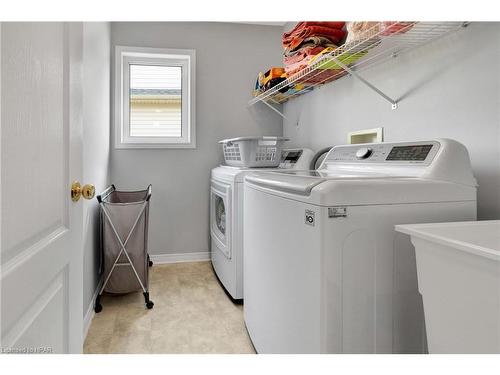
pixel 290 157
pixel 296 158
pixel 400 153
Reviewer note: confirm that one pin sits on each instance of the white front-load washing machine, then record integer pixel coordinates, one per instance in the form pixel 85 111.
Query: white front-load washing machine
pixel 226 217
pixel 324 269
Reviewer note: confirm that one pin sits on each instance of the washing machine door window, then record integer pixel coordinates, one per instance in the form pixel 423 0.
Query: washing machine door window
pixel 220 216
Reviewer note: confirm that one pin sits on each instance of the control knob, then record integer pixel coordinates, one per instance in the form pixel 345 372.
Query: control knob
pixel 363 153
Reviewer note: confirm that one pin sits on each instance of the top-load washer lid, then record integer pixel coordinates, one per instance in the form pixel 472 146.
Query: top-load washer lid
pixel 294 183
pixel 384 173
pixel 302 182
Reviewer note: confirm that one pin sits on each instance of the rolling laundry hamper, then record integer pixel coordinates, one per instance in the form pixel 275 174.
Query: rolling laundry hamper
pixel 124 240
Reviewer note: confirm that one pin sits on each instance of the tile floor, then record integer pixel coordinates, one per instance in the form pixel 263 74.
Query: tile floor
pixel 192 314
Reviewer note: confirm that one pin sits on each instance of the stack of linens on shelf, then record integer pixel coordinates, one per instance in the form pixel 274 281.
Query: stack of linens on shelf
pixel 314 43
pixel 307 40
pixel 359 30
pixel 326 47
pixel 369 32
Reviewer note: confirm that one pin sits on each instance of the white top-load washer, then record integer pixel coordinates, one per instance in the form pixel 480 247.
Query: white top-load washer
pixel 226 217
pixel 324 269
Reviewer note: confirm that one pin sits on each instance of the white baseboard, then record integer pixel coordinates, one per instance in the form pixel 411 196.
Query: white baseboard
pixel 178 258
pixel 89 315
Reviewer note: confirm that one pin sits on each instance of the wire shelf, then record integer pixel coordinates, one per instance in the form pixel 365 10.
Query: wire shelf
pixel 374 46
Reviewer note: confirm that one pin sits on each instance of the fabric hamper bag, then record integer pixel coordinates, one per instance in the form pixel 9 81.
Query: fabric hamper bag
pixel 124 242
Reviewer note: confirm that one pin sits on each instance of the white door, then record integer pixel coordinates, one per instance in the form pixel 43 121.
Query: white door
pixel 41 154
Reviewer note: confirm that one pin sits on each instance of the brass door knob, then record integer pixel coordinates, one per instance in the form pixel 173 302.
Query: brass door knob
pixel 87 191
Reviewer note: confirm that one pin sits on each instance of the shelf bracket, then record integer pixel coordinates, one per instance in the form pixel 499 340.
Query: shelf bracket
pixel 274 109
pixel 394 103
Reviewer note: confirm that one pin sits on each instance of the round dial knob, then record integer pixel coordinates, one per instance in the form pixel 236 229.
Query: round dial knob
pixel 363 153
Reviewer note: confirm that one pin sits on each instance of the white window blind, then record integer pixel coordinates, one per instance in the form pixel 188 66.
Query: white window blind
pixel 155 101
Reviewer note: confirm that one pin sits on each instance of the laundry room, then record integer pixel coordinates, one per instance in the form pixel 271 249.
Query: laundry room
pixel 324 183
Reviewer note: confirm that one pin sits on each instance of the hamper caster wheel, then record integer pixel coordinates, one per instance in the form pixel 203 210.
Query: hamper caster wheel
pixel 149 303
pixel 98 306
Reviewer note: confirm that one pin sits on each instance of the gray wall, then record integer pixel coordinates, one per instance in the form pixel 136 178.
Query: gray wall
pixel 450 89
pixel 96 107
pixel 228 59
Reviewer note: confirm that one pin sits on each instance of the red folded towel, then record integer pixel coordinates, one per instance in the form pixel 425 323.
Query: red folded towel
pixel 303 25
pixel 303 30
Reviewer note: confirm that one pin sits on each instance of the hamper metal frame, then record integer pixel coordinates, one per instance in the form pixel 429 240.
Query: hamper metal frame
pixel 123 244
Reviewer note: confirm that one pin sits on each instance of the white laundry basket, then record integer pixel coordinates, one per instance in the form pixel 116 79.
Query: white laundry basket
pixel 253 151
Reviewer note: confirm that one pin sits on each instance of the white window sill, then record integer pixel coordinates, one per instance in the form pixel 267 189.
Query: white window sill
pixel 138 146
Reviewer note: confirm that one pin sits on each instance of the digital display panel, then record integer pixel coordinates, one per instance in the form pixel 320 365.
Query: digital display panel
pixel 409 153
pixel 291 156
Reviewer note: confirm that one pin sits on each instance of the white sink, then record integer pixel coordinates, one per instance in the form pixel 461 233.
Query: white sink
pixel 477 237
pixel 458 268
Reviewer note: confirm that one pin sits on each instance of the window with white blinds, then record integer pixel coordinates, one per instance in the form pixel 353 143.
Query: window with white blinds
pixel 156 98
pixel 155 101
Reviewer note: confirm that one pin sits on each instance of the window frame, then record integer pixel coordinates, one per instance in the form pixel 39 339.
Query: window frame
pixel 126 56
